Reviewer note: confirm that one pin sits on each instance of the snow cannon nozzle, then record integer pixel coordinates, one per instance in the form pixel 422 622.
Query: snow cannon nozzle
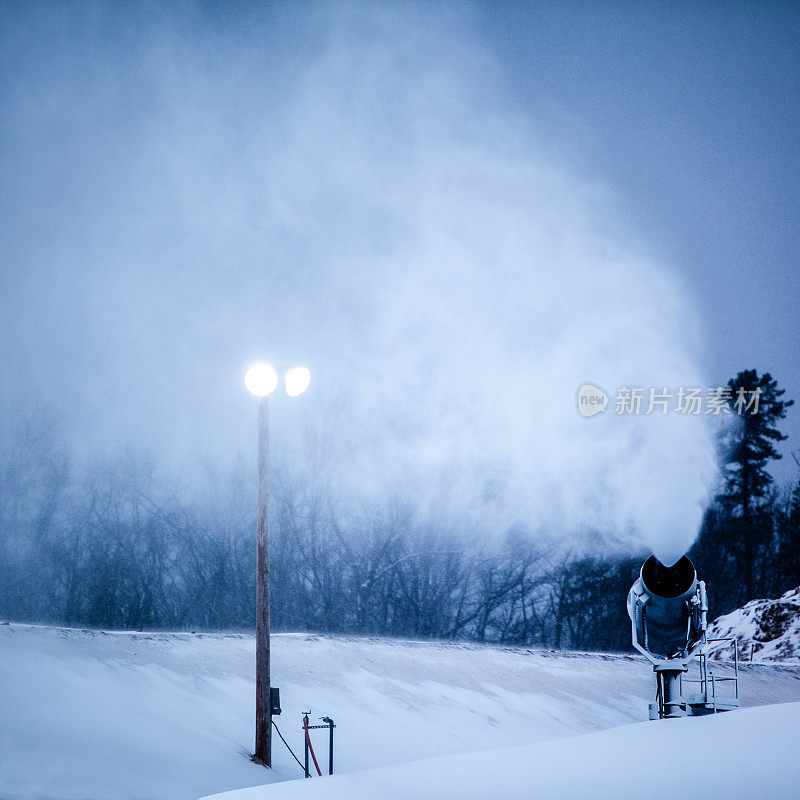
pixel 667 609
pixel 668 582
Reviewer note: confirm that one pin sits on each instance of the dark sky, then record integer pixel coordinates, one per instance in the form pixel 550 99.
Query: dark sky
pixel 187 187
pixel 691 113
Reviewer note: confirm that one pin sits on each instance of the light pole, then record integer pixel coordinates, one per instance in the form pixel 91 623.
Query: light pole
pixel 261 380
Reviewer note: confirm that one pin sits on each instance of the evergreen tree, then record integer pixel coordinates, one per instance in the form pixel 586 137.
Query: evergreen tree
pixel 757 405
pixel 716 563
pixel 789 547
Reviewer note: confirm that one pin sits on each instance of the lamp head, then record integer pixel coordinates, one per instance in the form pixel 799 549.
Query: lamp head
pixel 261 380
pixel 296 381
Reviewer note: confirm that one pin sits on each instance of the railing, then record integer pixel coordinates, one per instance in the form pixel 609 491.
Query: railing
pixel 708 679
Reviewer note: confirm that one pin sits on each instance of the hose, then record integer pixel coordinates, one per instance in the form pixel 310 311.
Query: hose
pixel 287 747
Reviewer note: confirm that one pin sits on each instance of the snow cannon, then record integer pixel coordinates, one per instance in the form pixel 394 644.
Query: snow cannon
pixel 667 607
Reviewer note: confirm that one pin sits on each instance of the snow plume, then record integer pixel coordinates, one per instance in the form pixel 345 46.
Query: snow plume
pixel 470 287
pixel 357 190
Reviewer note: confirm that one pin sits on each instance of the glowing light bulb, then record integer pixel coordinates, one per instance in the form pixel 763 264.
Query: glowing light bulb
pixel 296 380
pixel 261 380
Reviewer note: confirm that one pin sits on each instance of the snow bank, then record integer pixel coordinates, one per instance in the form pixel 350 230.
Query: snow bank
pixel 770 627
pixel 86 715
pixel 741 754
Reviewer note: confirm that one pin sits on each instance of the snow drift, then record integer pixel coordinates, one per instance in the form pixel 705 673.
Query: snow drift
pixel 703 757
pixel 90 715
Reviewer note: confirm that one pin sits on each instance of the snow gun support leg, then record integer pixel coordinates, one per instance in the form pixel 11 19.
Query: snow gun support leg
pixel 669 696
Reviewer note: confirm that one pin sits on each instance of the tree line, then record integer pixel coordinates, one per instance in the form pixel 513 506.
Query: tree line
pixel 118 546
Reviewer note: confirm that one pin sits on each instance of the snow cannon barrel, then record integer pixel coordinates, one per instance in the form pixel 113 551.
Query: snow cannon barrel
pixel 667 607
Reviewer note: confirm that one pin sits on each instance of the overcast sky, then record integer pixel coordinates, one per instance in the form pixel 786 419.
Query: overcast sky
pixel 371 190
pixel 692 116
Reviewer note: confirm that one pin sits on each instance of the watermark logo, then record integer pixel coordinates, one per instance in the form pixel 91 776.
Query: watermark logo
pixel 591 400
pixel 687 400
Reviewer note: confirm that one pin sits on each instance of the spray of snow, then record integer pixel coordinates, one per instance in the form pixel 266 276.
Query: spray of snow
pixel 357 190
pixel 482 288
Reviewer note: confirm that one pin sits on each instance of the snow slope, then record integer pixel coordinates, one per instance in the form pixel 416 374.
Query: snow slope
pixel 744 754
pixel 90 715
pixel 771 627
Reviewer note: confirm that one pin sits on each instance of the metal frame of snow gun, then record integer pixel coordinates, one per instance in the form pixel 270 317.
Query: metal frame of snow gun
pixel 706 700
pixel 668 608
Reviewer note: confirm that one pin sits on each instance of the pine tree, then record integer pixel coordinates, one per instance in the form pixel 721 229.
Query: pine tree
pixel 789 549
pixel 747 496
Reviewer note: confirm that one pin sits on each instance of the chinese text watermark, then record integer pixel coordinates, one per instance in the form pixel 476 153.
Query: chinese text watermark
pixel 687 400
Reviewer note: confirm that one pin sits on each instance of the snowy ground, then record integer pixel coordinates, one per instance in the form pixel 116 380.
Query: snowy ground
pixel 736 756
pixel 90 715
